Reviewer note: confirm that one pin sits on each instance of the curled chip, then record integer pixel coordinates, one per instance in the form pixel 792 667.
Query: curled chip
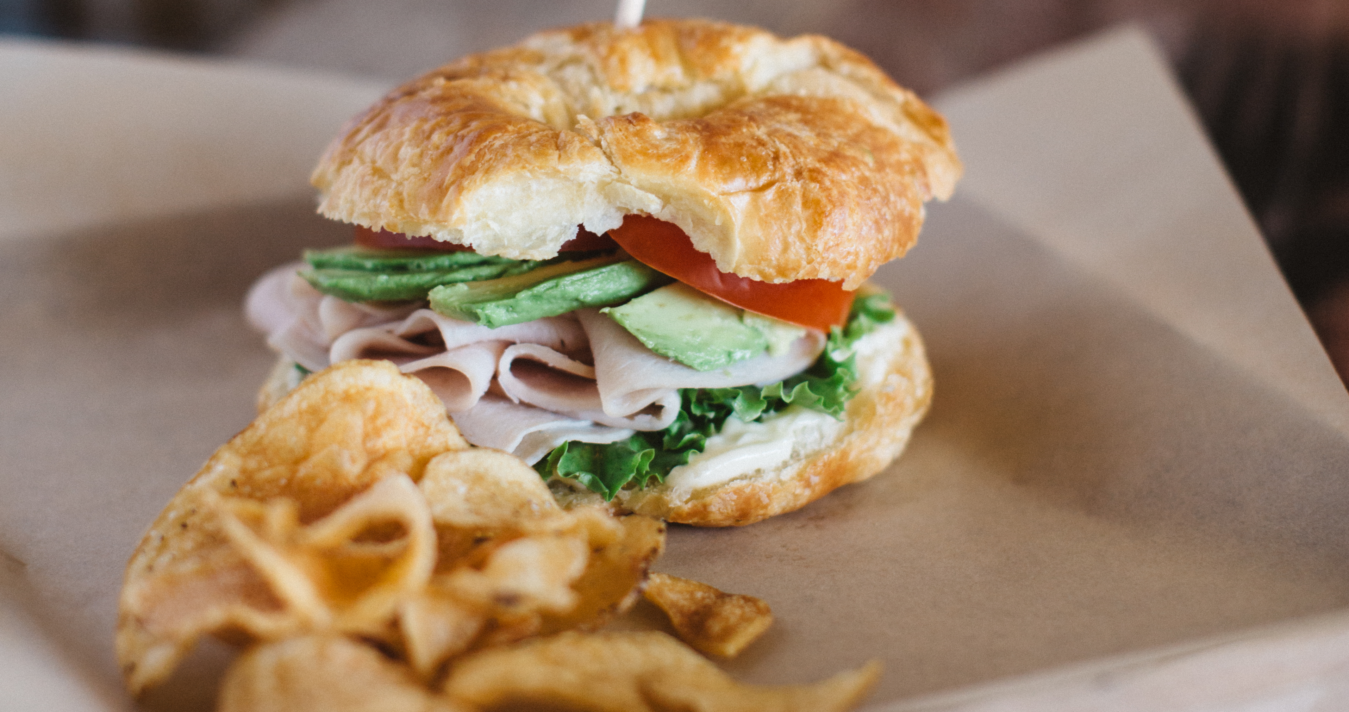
pixel 524 575
pixel 632 672
pixel 327 576
pixel 513 564
pixel 328 673
pixel 621 552
pixel 536 572
pixel 436 627
pixel 334 436
pixel 531 575
pixel 716 623
pixel 483 490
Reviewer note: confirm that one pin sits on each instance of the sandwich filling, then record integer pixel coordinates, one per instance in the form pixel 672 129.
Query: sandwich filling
pixel 594 367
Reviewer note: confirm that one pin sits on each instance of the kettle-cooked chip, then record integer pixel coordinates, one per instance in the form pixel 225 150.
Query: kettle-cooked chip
pixel 436 626
pixel 339 432
pixel 621 552
pixel 327 572
pixel 575 569
pixel 716 623
pixel 482 489
pixel 532 573
pixel 632 672
pixel 323 674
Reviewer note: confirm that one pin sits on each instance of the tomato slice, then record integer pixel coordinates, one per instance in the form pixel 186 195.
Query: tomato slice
pixel 584 241
pixel 815 303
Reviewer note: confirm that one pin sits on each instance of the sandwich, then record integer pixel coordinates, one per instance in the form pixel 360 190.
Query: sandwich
pixel 637 259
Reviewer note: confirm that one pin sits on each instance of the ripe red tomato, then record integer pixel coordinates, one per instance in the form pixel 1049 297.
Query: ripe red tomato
pixel 814 303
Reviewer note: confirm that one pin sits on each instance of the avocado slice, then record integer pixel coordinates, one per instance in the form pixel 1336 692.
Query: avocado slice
pixel 681 323
pixel 361 274
pixel 780 334
pixel 547 291
pixel 360 286
pixel 354 257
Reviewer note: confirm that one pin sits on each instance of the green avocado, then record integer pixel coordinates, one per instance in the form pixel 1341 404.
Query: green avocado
pixel 360 286
pixel 359 274
pixel 681 323
pixel 364 259
pixel 780 334
pixel 547 291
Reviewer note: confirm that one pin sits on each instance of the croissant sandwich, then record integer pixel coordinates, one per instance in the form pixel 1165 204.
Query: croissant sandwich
pixel 637 259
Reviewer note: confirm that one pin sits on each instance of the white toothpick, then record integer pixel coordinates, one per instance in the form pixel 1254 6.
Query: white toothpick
pixel 629 14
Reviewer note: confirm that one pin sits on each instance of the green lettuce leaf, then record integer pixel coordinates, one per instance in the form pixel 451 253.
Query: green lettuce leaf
pixel 826 386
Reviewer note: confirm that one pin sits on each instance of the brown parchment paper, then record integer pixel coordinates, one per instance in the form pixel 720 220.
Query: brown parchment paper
pixel 1132 445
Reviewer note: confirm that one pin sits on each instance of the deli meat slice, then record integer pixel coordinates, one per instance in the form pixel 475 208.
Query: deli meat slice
pixel 545 378
pixel 271 306
pixel 527 432
pixel 459 377
pixel 280 305
pixel 458 359
pixel 539 376
pixel 423 329
pixel 632 377
pixel 301 321
pixel 629 386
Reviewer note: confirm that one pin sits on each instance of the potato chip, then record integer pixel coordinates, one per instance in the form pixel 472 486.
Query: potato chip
pixel 327 574
pixel 569 570
pixel 339 432
pixel 255 529
pixel 504 628
pixel 483 490
pixel 528 574
pixel 324 674
pixel 436 626
pixel 621 552
pixel 632 672
pixel 713 622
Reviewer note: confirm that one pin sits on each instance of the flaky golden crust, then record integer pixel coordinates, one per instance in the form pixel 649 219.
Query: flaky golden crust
pixel 783 159
pixel 878 423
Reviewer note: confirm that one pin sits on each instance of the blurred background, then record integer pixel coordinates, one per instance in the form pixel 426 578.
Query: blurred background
pixel 1268 78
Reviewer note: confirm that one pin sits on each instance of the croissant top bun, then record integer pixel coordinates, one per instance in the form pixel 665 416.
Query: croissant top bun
pixel 784 159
